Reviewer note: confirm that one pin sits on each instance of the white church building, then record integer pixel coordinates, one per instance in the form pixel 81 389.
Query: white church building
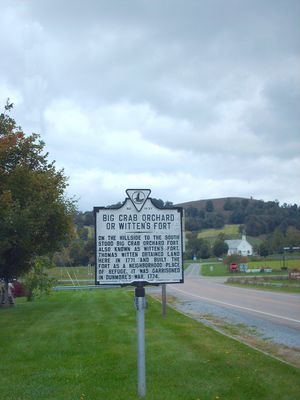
pixel 241 247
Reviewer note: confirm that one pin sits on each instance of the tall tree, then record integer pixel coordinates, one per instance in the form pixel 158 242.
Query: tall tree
pixel 292 237
pixel 263 249
pixel 220 248
pixel 277 240
pixel 209 206
pixel 35 216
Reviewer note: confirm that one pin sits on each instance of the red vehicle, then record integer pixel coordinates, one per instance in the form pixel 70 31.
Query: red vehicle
pixel 233 267
pixel 19 290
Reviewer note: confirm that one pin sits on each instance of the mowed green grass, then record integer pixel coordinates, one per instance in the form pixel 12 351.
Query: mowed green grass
pixel 230 230
pixel 72 273
pixel 82 345
pixel 291 288
pixel 275 264
pixel 220 269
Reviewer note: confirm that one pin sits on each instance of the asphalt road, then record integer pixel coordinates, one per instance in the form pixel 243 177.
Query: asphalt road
pixel 275 314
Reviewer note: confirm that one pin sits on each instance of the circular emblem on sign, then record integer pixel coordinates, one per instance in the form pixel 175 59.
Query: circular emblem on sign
pixel 138 197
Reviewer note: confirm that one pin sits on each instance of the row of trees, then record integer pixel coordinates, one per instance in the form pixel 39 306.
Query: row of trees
pixel 279 241
pixel 77 252
pixel 80 250
pixel 201 248
pixel 275 243
pixel 257 217
pixel 197 220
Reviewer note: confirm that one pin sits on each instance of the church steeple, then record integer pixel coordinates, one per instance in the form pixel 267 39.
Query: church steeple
pixel 244 234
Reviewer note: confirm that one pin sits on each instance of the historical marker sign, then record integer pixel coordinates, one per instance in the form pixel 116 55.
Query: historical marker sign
pixel 138 242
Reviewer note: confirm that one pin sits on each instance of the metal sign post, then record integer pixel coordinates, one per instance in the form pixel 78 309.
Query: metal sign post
pixel 164 299
pixel 140 303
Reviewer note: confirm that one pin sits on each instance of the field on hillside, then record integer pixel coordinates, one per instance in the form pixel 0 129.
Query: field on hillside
pixel 231 230
pixel 82 345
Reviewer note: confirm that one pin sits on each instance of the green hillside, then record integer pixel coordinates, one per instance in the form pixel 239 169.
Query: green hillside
pixel 269 226
pixel 217 203
pixel 257 216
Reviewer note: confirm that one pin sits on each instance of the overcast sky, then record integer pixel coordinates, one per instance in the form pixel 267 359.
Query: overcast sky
pixel 193 99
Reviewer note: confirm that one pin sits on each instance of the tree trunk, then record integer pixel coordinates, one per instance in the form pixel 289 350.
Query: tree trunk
pixel 7 297
pixel 29 295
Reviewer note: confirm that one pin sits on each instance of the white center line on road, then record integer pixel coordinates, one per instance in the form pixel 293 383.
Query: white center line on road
pixel 236 306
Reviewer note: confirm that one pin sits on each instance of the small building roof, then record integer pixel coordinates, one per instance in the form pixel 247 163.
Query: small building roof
pixel 234 243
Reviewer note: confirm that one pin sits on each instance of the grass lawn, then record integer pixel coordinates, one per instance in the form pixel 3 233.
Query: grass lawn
pixel 275 264
pixel 230 230
pixel 222 270
pixel 290 286
pixel 219 269
pixel 82 345
pixel 72 273
pixel 290 289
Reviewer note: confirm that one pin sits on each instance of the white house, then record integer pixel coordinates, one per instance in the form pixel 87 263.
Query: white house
pixel 241 247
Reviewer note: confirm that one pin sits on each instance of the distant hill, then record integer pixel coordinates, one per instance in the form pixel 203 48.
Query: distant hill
pixel 257 217
pixel 217 203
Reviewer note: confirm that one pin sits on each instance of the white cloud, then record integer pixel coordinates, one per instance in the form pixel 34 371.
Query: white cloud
pixel 11 93
pixel 177 96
